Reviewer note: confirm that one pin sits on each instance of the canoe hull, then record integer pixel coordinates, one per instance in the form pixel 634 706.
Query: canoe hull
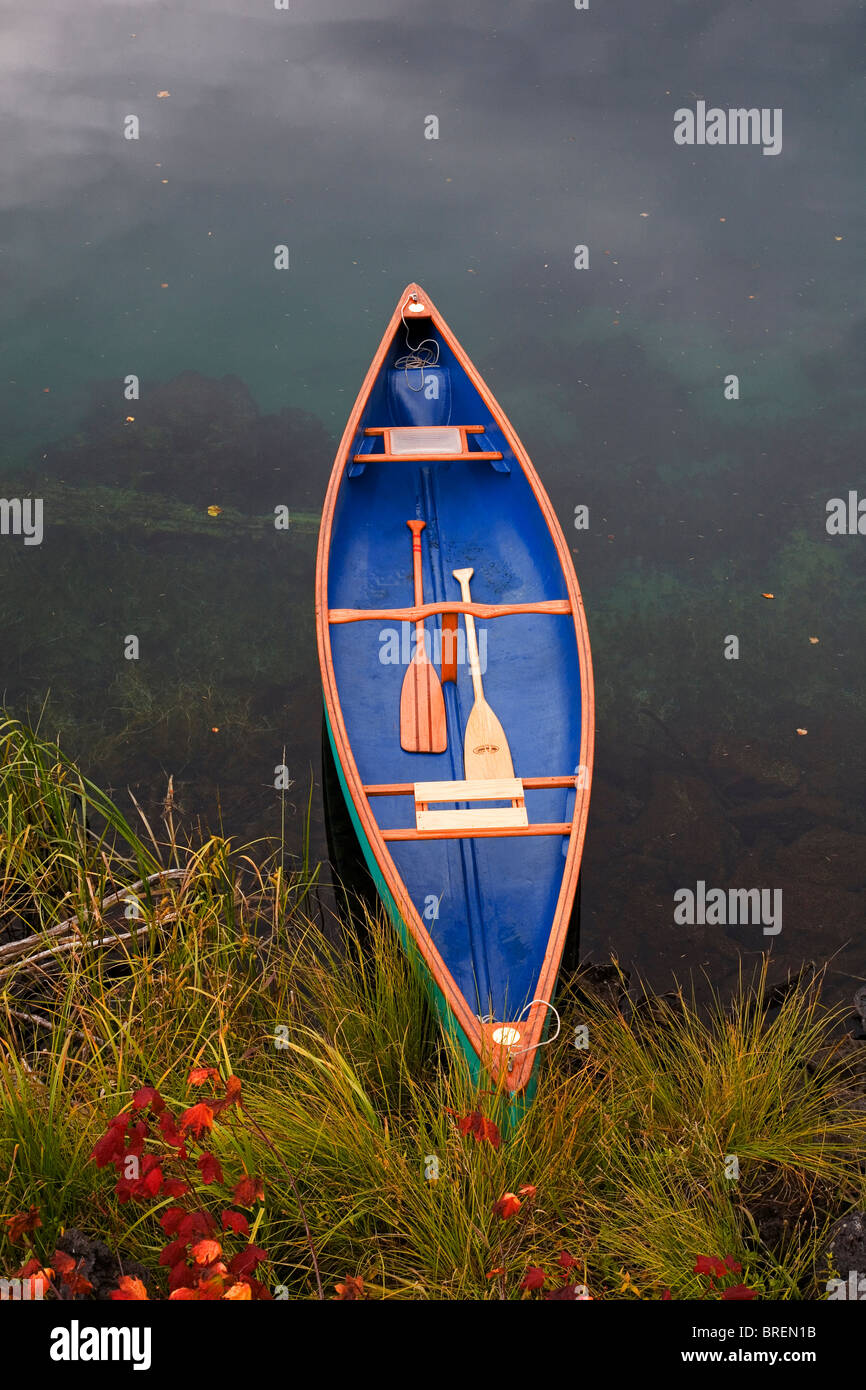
pixel 485 914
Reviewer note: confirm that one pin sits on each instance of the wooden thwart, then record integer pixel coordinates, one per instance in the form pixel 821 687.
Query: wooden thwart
pixel 419 442
pixel 430 610
pixel 529 784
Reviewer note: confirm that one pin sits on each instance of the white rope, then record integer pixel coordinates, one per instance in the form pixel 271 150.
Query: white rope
pixel 547 1041
pixel 417 357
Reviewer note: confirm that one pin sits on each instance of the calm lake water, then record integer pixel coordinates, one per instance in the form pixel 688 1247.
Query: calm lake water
pixel 308 127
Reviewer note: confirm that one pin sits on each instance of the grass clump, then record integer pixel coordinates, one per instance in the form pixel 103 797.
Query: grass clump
pixel 378 1168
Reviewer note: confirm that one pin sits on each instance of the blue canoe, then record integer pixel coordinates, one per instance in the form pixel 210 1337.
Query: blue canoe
pixel 478 874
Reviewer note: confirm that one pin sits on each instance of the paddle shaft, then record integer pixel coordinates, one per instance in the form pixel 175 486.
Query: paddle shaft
pixel 463 577
pixel 416 527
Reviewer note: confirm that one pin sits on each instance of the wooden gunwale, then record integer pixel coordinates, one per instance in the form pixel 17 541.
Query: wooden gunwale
pixel 519 1076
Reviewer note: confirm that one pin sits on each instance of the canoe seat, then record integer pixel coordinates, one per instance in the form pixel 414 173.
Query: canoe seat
pixel 467 820
pixel 423 442
pixel 425 439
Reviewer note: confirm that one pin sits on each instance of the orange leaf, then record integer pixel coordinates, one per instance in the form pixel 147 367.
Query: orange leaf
pixel 239 1291
pixel 197 1118
pixel 768 595
pixel 507 1206
pixel 17 1226
pixel 204 1252
pixel 67 1268
pixel 184 1293
pixel 351 1289
pixel 199 1075
pixel 129 1290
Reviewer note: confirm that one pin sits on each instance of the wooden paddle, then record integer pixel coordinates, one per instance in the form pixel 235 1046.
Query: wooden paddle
pixel 423 727
pixel 485 747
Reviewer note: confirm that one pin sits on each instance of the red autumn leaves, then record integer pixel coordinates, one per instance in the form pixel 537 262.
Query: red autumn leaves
pixel 62 1278
pixel 714 1268
pixel 160 1155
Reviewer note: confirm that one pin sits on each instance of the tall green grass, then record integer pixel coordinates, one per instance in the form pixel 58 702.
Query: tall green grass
pixel 351 1091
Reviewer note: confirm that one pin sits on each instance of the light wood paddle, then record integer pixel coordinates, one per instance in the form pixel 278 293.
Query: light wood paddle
pixel 485 747
pixel 423 727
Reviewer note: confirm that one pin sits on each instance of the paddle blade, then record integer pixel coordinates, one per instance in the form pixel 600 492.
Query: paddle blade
pixel 423 726
pixel 485 747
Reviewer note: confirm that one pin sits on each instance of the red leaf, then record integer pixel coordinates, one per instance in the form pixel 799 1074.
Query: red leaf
pixel 182 1276
pixel 533 1278
pixel 566 1261
pixel 136 1138
pixel 248 1191
pixel 175 1187
pixel 233 1088
pixel 148 1095
pixel 196 1223
pixel 111 1145
pixel 129 1290
pixel 246 1260
pixel 738 1291
pixel 169 1130
pixel 235 1221
pixel 480 1128
pixel 209 1168
pixel 732 1265
pixel 171 1219
pixel 710 1264
pixel 151 1182
pixel 173 1253
pixel 197 1118
pixel 185 1291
